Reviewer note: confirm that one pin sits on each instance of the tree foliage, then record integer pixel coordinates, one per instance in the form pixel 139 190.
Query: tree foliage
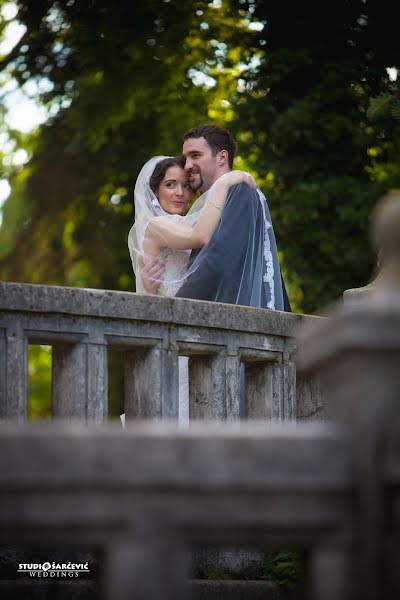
pixel 293 82
pixel 119 95
pixel 316 147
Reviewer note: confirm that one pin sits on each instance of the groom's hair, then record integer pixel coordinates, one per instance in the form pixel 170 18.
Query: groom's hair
pixel 161 168
pixel 217 138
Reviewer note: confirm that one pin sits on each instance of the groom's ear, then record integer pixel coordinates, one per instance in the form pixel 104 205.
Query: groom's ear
pixel 223 158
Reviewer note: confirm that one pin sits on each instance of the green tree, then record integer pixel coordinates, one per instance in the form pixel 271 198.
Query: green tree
pixel 308 135
pixel 293 83
pixel 118 94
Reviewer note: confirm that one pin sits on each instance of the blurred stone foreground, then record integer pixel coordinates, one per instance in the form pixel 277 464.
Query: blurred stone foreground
pixel 140 501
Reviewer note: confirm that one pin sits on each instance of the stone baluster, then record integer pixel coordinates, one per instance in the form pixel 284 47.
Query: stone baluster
pixel 79 381
pixel 13 373
pixel 97 398
pixel 147 564
pixel 207 381
pixel 332 570
pixel 290 407
pixel 232 385
pixel 151 383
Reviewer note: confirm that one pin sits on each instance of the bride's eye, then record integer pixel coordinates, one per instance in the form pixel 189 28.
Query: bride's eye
pixel 188 186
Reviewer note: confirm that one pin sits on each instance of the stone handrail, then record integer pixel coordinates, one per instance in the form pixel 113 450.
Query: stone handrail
pixel 82 324
pixel 144 497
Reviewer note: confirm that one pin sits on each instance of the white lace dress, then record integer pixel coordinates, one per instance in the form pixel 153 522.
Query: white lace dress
pixel 176 264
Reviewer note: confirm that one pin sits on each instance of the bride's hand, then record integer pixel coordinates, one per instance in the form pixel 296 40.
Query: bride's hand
pixel 236 177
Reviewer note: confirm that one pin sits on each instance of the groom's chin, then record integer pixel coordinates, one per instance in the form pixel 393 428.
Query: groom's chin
pixel 196 184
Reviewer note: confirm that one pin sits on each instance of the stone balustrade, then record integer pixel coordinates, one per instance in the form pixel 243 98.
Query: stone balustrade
pixel 81 325
pixel 144 499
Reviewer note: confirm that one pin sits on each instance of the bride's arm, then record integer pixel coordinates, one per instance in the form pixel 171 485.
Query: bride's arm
pixel 165 233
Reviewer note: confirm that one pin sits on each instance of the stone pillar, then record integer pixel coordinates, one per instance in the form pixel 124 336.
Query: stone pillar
pixel 264 391
pixel 97 399
pixel 332 571
pixel 79 381
pixel 13 373
pixel 310 400
pixel 232 386
pixel 289 391
pixel 151 384
pixel 207 379
pixel 145 564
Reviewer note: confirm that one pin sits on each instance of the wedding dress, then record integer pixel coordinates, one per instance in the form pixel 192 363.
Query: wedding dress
pixel 176 264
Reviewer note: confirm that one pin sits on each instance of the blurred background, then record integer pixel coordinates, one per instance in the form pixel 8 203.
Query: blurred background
pixel 90 89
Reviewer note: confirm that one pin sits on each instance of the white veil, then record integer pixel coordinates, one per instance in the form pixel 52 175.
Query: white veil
pixel 147 207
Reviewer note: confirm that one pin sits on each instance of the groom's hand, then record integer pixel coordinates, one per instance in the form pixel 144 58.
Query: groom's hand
pixel 152 274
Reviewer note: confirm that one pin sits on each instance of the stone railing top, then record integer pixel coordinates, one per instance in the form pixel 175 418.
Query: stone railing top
pixel 355 294
pixel 28 298
pixel 147 455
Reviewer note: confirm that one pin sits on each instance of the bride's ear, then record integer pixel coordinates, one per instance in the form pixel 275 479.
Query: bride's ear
pixel 223 158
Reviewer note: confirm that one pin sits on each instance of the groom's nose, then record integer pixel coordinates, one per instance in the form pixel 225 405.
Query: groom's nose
pixel 188 164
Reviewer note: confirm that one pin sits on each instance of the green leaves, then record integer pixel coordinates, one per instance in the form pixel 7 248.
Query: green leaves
pixel 283 567
pixel 307 97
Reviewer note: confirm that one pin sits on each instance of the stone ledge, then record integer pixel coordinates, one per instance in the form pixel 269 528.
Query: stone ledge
pixel 79 302
pixel 209 456
pixel 201 590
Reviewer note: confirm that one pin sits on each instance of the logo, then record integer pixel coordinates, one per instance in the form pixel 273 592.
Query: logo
pixel 54 570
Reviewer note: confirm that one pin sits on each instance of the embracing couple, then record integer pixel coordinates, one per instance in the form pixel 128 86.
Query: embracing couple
pixel 224 248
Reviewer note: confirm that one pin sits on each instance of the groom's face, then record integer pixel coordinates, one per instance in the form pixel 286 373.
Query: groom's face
pixel 201 165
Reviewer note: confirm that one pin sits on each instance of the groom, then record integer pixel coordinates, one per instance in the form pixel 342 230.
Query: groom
pixel 209 152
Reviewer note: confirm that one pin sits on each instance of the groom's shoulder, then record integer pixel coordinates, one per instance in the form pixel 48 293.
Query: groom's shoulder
pixel 241 205
pixel 241 191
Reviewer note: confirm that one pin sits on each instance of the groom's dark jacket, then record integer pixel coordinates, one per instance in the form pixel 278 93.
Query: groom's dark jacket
pixel 219 274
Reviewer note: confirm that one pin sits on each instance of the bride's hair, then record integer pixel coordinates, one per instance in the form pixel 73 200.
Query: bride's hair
pixel 161 168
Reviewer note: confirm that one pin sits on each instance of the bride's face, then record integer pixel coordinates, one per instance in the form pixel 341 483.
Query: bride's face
pixel 175 191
